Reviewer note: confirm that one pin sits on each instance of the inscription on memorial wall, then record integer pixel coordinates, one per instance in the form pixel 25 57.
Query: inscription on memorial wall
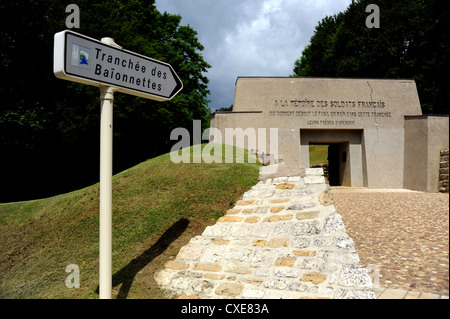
pixel 330 112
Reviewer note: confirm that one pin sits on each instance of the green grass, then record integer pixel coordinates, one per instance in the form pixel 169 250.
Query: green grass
pixel 318 154
pixel 158 206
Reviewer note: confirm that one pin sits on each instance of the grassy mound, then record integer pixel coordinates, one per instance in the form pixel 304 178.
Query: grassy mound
pixel 158 206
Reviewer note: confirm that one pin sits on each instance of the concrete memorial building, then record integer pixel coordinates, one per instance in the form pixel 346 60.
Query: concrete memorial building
pixel 377 135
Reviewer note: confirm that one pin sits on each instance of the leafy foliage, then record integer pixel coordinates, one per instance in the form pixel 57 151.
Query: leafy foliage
pixel 49 128
pixel 412 42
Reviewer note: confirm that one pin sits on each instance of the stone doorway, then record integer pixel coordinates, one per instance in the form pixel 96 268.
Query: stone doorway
pixel 337 159
pixel 332 157
pixel 346 162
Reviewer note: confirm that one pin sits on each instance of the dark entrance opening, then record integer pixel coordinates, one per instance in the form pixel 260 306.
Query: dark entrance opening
pixel 336 157
pixel 338 170
pixel 333 165
pixel 342 151
pixel 332 157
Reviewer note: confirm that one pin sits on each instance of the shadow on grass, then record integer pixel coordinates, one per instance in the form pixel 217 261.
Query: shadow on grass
pixel 125 276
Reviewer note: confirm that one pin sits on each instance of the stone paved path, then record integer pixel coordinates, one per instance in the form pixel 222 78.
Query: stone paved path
pixel 279 241
pixel 405 234
pixel 390 293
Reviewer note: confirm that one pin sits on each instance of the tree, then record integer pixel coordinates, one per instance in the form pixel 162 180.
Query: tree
pixel 317 57
pixel 412 42
pixel 225 109
pixel 49 128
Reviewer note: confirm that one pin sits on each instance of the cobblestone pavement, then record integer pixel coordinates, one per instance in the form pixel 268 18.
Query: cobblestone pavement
pixel 391 293
pixel 404 234
pixel 281 240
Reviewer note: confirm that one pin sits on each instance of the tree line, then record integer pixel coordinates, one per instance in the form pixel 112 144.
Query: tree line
pixel 49 128
pixel 411 42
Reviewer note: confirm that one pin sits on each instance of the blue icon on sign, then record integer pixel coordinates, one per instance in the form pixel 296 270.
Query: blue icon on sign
pixel 83 59
pixel 80 56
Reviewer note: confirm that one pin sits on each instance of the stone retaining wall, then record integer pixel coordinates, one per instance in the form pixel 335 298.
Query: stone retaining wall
pixel 323 166
pixel 279 241
pixel 443 172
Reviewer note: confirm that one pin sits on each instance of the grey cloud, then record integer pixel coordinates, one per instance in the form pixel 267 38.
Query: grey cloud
pixel 249 37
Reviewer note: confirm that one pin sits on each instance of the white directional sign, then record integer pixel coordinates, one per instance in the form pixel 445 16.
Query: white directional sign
pixel 79 58
pixel 85 60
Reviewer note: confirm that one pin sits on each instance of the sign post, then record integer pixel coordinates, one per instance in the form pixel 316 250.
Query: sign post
pixel 105 64
pixel 106 137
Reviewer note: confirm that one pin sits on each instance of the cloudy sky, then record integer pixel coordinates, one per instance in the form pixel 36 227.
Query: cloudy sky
pixel 250 37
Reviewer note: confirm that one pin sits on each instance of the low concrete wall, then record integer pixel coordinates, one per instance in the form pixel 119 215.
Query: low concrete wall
pixel 425 137
pixel 323 166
